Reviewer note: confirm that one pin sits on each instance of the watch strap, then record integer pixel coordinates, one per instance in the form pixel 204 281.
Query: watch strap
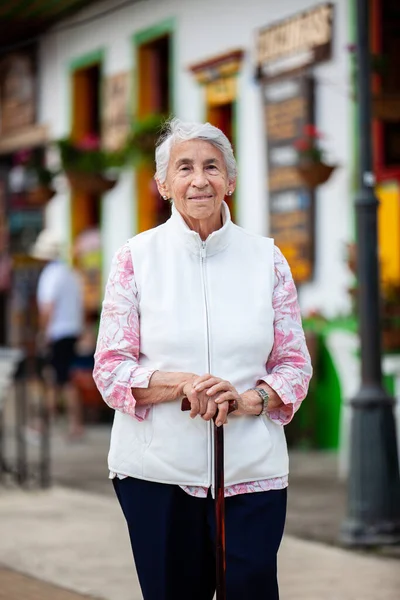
pixel 264 399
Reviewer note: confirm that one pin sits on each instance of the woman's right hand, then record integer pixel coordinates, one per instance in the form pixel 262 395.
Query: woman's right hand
pixel 204 405
pixel 198 401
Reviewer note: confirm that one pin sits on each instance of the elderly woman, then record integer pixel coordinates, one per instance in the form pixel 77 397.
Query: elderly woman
pixel 203 309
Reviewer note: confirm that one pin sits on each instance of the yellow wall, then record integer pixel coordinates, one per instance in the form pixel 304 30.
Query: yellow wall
pixel 389 231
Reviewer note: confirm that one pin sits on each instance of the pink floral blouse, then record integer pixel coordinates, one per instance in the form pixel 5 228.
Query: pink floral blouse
pixel 289 368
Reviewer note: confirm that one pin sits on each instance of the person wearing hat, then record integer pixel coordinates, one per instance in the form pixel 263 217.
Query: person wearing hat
pixel 60 305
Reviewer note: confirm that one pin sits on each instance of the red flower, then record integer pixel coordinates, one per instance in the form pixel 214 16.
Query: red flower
pixel 22 157
pixel 302 144
pixel 311 131
pixel 89 142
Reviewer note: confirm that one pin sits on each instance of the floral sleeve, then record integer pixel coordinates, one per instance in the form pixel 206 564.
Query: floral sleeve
pixel 289 365
pixel 117 367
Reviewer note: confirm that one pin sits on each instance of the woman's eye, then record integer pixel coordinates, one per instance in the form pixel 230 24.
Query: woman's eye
pixel 184 169
pixel 213 167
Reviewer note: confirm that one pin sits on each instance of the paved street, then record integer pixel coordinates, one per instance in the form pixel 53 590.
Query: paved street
pixel 77 540
pixel 73 536
pixel 15 586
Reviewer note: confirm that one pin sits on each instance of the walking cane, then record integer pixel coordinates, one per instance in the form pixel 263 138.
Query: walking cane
pixel 219 488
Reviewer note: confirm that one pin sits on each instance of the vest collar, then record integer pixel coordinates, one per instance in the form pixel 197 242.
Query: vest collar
pixel 216 241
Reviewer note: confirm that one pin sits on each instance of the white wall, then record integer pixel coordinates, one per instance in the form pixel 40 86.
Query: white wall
pixel 204 29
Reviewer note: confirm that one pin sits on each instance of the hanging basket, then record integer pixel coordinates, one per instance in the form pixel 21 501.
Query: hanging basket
pixel 40 195
pixel 92 183
pixel 314 173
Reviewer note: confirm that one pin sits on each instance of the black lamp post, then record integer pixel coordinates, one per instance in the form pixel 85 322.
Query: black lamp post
pixel 373 511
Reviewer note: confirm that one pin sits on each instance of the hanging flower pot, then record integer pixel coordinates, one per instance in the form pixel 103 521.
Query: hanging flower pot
pixel 92 183
pixel 311 167
pixel 314 174
pixel 40 195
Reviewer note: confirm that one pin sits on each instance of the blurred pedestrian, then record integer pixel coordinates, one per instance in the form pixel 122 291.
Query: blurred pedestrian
pixel 200 308
pixel 59 300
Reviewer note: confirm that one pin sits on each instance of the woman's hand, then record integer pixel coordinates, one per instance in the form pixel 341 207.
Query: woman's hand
pixel 200 403
pixel 250 402
pixel 219 393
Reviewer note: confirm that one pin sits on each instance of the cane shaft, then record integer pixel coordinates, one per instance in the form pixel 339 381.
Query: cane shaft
pixel 219 511
pixel 219 488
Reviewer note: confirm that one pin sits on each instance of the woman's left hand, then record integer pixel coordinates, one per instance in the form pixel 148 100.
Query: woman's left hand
pixel 220 390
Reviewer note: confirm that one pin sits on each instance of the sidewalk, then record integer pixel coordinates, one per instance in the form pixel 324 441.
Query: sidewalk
pixel 316 501
pixel 78 541
pixel 14 586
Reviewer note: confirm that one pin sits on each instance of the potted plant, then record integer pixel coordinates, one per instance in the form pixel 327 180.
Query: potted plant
pixel 91 168
pixel 311 165
pixel 142 140
pixel 87 166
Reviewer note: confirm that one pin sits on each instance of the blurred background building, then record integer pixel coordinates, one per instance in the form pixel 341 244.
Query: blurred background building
pixel 277 78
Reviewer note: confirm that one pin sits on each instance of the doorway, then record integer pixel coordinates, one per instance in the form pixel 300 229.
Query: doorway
pixel 221 116
pixel 154 58
pixel 86 206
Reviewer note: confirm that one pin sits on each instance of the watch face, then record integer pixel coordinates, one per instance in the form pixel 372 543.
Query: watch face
pixel 262 393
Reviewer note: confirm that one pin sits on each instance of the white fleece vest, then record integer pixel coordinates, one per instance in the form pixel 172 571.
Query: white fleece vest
pixel 205 307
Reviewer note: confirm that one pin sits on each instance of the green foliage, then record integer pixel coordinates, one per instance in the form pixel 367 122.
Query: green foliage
pixel 87 155
pixel 142 140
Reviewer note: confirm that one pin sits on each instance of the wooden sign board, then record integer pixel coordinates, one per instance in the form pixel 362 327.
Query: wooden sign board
pixel 115 124
pixel 288 107
pixel 295 43
pixel 17 93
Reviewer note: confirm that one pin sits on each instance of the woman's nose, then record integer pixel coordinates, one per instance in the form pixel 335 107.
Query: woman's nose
pixel 199 178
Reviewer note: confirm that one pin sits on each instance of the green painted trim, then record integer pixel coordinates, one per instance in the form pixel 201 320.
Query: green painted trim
pixel 166 27
pixel 81 62
pixel 235 136
pixel 86 60
pixel 155 31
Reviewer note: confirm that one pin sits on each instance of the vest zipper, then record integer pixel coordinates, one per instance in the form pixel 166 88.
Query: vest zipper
pixel 203 254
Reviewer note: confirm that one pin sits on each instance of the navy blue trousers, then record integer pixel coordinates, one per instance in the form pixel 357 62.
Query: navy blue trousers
pixel 173 541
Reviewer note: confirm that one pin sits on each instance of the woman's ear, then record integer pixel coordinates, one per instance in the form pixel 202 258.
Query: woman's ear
pixel 162 188
pixel 231 186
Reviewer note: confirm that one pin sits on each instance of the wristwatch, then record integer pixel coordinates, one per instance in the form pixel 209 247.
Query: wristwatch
pixel 264 399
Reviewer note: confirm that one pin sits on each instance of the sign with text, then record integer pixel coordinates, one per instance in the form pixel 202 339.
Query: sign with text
pixel 297 42
pixel 288 108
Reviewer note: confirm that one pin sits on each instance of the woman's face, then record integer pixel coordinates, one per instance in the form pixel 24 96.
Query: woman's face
pixel 197 181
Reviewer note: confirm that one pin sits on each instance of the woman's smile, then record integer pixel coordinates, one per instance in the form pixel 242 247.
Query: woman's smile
pixel 202 198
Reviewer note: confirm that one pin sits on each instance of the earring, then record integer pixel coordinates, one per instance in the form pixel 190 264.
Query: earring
pixel 229 193
pixel 165 197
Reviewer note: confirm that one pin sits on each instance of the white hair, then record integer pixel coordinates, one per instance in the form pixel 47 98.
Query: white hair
pixel 176 130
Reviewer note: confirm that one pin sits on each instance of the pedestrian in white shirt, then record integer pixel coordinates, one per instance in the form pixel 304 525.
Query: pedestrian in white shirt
pixel 59 299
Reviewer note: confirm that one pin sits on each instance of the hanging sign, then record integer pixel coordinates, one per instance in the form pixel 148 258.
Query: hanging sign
pixel 288 108
pixel 295 43
pixel 17 93
pixel 115 125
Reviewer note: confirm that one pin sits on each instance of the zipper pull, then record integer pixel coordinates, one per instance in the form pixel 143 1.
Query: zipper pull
pixel 203 250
